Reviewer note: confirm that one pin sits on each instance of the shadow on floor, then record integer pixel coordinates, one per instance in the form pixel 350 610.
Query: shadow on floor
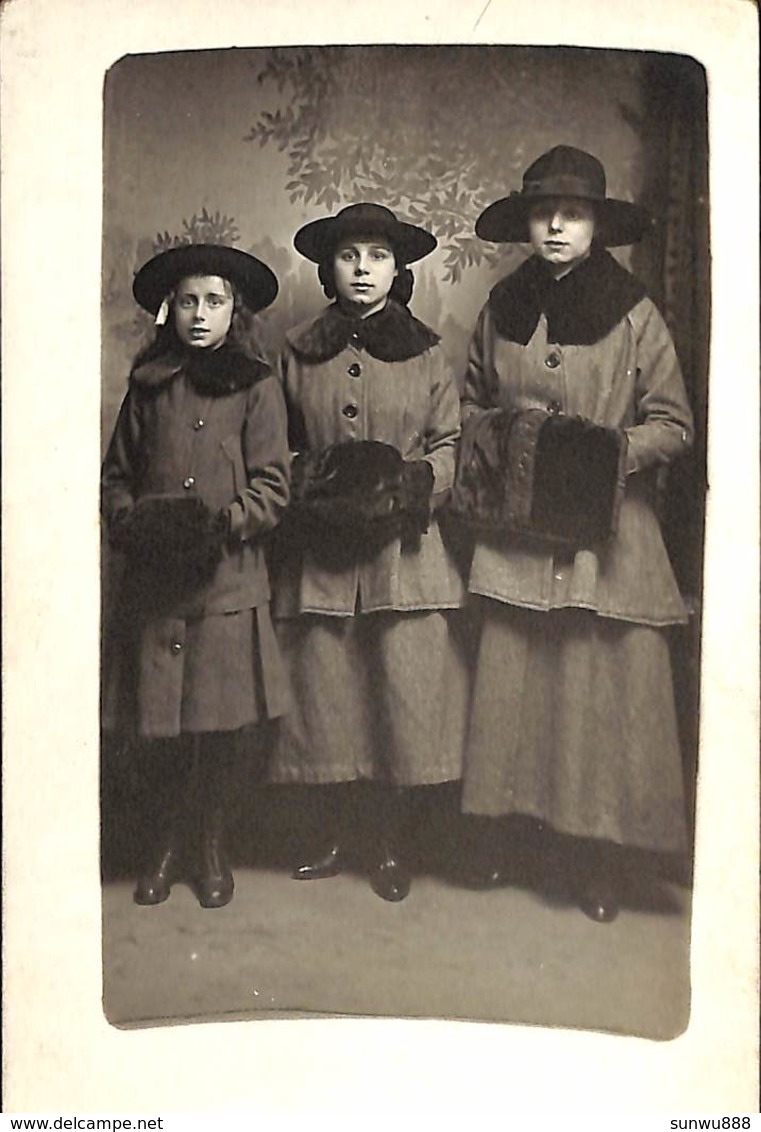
pixel 522 953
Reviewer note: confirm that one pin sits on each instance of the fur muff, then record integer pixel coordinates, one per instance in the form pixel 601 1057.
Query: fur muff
pixel 348 500
pixel 544 476
pixel 351 482
pixel 171 541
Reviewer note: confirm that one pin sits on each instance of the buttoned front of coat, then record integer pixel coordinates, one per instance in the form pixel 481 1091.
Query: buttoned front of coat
pixel 230 450
pixel 630 379
pixel 411 404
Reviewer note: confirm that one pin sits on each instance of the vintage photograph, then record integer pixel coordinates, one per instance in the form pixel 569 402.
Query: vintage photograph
pixel 404 433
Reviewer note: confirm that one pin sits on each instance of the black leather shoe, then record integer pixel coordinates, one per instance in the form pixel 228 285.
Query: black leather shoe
pixel 154 887
pixel 329 865
pixel 214 881
pixel 599 905
pixel 390 880
pixel 215 892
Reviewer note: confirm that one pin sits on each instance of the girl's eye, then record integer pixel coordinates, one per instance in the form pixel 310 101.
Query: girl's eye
pixel 186 302
pixel 380 254
pixel 347 257
pixel 215 301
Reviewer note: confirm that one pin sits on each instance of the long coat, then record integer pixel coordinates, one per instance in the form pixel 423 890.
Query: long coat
pixel 573 717
pixel 629 379
pixel 372 390
pixel 371 647
pixel 226 442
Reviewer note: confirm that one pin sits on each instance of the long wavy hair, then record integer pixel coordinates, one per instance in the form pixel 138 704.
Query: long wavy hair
pixel 241 335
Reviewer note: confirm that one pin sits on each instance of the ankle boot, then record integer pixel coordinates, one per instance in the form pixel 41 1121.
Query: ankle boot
pixel 328 822
pixel 320 867
pixel 154 886
pixel 217 755
pixel 214 879
pixel 171 785
pixel 390 875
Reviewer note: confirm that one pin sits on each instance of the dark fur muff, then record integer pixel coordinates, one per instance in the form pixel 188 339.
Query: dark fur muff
pixel 544 477
pixel 173 543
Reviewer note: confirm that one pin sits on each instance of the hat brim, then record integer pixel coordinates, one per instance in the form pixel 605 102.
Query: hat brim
pixel 319 239
pixel 156 278
pixel 617 222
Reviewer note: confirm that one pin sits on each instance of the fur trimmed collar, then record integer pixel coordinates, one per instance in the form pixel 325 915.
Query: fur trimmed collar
pixel 581 308
pixel 391 335
pixel 212 373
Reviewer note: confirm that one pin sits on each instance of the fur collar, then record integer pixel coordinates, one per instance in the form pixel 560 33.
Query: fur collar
pixel 212 373
pixel 391 335
pixel 581 308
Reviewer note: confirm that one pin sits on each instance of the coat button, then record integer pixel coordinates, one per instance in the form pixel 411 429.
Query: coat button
pixel 198 424
pixel 350 411
pixel 552 361
pixel 354 370
pixel 176 646
pixel 188 483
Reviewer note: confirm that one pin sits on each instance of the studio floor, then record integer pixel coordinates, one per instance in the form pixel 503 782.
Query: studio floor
pixel 517 954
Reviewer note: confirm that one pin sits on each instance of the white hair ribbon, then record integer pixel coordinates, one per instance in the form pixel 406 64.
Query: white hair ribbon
pixel 163 313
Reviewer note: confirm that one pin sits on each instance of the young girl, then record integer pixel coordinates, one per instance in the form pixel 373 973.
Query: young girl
pixel 195 474
pixel 573 719
pixel 364 612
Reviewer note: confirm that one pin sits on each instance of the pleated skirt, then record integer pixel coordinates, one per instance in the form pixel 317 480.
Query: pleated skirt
pixel 573 722
pixel 378 696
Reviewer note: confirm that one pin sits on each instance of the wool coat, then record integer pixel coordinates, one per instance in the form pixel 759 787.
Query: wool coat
pixel 383 378
pixel 627 378
pixel 214 428
pixel 370 645
pixel 572 718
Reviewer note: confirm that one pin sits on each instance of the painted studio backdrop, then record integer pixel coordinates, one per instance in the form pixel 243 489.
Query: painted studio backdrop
pixel 244 146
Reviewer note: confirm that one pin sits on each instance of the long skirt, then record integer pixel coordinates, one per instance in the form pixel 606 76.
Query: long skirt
pixel 573 722
pixel 167 676
pixel 379 696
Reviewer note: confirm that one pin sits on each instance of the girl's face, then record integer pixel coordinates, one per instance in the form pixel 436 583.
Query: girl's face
pixel 561 231
pixel 203 310
pixel 364 273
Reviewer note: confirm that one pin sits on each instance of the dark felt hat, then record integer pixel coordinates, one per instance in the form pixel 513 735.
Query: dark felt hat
pixel 320 238
pixel 157 277
pixel 563 172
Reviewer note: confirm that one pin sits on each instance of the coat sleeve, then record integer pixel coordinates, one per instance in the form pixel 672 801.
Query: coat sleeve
pixel 121 467
pixel 286 373
pixel 443 425
pixel 265 451
pixel 478 391
pixel 664 425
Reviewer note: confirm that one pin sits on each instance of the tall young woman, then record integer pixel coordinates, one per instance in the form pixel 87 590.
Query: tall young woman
pixel 364 620
pixel 573 719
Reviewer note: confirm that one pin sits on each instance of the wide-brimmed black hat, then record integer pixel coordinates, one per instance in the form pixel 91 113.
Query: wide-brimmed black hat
pixel 563 172
pixel 156 278
pixel 319 239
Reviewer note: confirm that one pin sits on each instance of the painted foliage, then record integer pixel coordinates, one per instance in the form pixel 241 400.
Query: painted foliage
pixel 250 144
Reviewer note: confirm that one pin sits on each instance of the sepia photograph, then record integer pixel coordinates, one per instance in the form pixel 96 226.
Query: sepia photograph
pixel 404 434
pixel 380 510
